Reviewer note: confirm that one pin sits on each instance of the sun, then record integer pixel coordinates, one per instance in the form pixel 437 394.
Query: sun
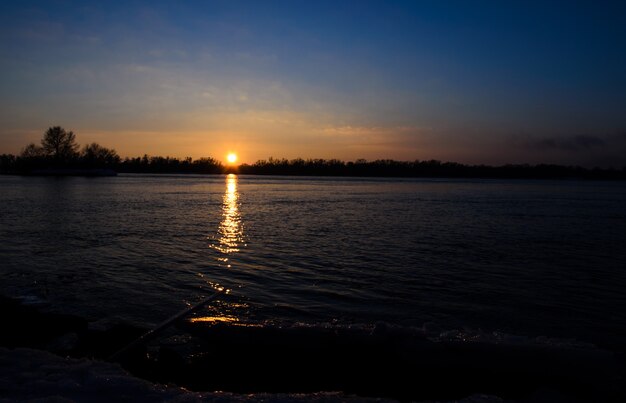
pixel 231 158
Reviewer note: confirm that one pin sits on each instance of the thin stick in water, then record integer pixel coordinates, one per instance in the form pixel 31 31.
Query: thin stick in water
pixel 151 333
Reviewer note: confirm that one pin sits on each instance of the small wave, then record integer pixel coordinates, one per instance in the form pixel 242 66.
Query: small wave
pixel 468 335
pixel 434 333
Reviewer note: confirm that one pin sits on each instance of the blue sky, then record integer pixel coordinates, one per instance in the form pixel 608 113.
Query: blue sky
pixel 475 82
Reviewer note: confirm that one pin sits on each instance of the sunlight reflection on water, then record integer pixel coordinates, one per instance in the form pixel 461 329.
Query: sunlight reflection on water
pixel 230 232
pixel 227 241
pixel 214 319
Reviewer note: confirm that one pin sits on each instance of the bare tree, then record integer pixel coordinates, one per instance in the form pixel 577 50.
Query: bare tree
pixel 32 151
pixel 59 144
pixel 95 155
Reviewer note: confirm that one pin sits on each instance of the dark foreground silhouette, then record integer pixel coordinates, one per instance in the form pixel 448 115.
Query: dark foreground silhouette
pixel 378 362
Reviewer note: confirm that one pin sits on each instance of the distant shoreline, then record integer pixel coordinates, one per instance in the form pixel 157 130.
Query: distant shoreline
pixel 10 164
pixel 601 175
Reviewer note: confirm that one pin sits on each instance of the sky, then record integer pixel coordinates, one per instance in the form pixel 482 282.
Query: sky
pixel 476 82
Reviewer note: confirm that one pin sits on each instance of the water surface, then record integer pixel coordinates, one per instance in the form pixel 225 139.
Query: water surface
pixel 526 258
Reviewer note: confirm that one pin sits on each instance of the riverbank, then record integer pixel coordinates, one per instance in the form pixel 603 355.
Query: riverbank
pixel 65 356
pixel 37 375
pixel 47 356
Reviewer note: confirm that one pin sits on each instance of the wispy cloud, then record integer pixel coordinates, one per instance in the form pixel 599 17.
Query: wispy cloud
pixel 376 134
pixel 576 143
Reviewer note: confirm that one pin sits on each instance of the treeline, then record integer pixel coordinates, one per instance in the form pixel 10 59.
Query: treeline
pixel 59 154
pixel 59 151
pixel 424 169
pixel 148 164
pixel 311 167
pixel 20 164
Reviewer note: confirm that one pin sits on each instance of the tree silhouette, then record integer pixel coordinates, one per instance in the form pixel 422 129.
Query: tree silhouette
pixel 59 152
pixel 59 144
pixel 96 156
pixel 31 157
pixel 32 151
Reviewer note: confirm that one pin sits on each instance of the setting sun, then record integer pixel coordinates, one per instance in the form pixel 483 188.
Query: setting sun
pixel 231 158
